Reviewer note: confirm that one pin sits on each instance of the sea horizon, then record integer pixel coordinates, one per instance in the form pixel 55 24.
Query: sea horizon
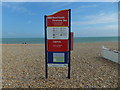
pixel 41 40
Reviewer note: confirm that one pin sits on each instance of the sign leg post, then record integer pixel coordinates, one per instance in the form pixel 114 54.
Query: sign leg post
pixel 69 67
pixel 46 67
pixel 69 43
pixel 46 72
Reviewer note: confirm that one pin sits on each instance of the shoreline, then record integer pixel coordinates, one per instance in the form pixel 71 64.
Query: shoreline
pixel 73 43
pixel 21 44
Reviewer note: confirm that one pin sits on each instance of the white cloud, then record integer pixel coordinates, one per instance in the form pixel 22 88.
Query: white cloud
pixel 0 3
pixel 18 8
pixel 100 18
pixel 60 0
pixel 115 0
pixel 104 25
pixel 29 22
pixel 103 28
pixel 88 6
pixel 81 8
pixel 108 30
pixel 11 33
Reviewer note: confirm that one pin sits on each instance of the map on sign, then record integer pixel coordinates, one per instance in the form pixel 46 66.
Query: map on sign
pixel 58 57
pixel 57 32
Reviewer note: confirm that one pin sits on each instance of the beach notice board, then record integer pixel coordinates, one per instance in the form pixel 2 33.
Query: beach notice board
pixel 58 40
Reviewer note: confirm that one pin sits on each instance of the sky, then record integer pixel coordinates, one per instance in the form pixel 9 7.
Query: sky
pixel 60 0
pixel 89 19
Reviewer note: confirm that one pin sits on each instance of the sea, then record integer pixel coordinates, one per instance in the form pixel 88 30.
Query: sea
pixel 42 40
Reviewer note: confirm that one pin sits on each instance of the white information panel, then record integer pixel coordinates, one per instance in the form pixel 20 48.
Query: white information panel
pixel 57 32
pixel 57 65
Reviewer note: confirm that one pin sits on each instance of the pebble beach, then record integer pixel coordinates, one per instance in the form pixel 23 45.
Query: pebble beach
pixel 23 66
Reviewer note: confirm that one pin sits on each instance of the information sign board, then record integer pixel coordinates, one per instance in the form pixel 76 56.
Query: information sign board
pixel 58 39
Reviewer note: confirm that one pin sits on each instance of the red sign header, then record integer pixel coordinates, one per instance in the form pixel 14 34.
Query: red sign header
pixel 58 19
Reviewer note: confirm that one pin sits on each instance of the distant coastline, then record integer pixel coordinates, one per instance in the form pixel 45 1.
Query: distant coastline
pixel 41 40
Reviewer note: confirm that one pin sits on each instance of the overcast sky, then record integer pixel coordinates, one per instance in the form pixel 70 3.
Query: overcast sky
pixel 89 19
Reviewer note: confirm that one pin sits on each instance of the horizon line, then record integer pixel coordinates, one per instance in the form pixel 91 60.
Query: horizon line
pixel 43 37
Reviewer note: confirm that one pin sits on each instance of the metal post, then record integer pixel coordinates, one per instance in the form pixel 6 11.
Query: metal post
pixel 69 42
pixel 46 67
